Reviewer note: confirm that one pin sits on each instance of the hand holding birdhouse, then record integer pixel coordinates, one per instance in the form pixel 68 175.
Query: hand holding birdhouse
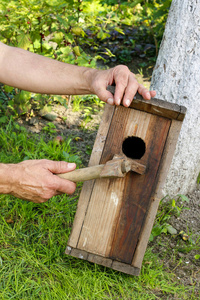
pixel 126 86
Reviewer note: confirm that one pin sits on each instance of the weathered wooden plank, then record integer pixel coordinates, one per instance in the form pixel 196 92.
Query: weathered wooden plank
pixel 159 107
pixel 102 135
pixel 106 262
pixel 156 106
pixel 102 212
pixel 167 157
pixel 79 253
pixel 157 195
pixel 80 213
pixel 88 186
pixel 138 191
pixel 68 250
pixel 128 269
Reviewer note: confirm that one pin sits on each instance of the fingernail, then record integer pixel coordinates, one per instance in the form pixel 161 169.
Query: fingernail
pixel 118 101
pixel 148 95
pixel 71 166
pixel 127 102
pixel 110 101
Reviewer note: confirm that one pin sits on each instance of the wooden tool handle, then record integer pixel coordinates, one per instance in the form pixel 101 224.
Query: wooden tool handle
pixel 117 167
pixel 83 174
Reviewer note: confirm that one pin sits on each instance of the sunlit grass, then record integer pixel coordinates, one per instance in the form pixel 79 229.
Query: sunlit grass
pixel 33 238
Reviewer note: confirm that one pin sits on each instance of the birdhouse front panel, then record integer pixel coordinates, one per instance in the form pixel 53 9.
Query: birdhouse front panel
pixel 111 213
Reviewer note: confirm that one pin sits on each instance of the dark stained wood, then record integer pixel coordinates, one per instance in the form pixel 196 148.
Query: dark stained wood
pixel 97 259
pixel 137 192
pixel 121 267
pixel 106 262
pixel 79 253
pixel 157 195
pixel 115 135
pixel 156 106
pixel 160 108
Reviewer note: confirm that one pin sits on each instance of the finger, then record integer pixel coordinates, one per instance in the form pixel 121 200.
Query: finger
pixel 58 167
pixel 101 91
pixel 145 93
pixel 130 91
pixel 120 90
pixel 105 96
pixel 153 94
pixel 65 186
pixel 120 78
pixel 119 93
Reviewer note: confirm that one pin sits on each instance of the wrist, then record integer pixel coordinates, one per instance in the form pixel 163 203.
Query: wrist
pixel 89 74
pixel 6 175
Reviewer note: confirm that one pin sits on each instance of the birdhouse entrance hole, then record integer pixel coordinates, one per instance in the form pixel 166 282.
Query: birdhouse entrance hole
pixel 133 147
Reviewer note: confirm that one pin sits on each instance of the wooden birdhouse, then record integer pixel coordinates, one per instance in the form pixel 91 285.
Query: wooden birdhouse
pixel 115 215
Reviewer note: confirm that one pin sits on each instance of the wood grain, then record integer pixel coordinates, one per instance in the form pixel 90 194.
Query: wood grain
pixel 157 195
pixel 156 106
pixel 128 269
pixel 106 262
pixel 137 192
pixel 101 214
pixel 88 185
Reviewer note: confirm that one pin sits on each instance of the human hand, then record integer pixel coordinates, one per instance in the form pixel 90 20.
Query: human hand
pixel 126 86
pixel 35 180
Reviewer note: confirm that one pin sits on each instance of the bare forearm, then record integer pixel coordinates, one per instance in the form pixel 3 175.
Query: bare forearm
pixel 39 74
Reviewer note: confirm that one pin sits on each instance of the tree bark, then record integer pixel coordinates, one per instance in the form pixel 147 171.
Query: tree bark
pixel 176 78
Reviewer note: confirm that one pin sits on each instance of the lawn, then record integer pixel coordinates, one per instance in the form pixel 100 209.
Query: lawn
pixel 34 237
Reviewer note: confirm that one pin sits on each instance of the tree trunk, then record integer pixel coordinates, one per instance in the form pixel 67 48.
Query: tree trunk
pixel 176 78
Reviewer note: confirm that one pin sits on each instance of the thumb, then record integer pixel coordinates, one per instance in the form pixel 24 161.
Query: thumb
pixel 58 167
pixel 105 96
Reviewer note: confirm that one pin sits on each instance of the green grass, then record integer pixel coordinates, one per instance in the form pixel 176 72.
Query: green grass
pixel 33 264
pixel 17 145
pixel 33 238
